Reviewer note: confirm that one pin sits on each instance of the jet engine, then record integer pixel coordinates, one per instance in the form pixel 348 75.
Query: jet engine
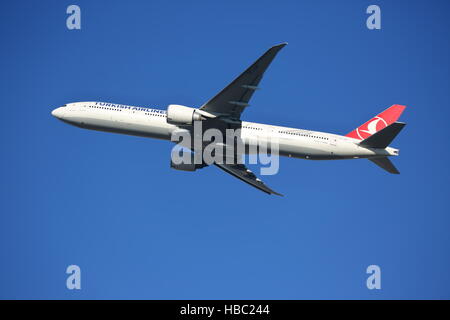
pixel 177 114
pixel 186 166
pixel 188 162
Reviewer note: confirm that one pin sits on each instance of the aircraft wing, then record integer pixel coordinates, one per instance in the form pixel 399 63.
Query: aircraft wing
pixel 234 98
pixel 241 172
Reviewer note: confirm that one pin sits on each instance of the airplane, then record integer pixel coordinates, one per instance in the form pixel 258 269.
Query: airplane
pixel 371 140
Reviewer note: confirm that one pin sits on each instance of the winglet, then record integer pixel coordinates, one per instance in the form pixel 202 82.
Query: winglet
pixel 278 47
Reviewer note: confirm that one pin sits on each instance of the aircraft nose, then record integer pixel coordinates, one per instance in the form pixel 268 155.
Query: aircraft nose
pixel 57 113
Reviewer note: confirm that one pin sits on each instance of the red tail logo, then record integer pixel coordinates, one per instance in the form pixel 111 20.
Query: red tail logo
pixel 377 123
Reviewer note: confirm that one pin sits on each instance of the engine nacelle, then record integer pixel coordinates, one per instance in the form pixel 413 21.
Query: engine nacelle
pixel 185 161
pixel 186 166
pixel 177 114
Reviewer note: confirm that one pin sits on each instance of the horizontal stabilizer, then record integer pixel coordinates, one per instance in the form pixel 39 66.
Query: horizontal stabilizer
pixel 384 137
pixel 385 164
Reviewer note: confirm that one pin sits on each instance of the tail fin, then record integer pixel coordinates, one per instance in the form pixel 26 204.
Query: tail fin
pixel 381 121
pixel 384 137
pixel 385 164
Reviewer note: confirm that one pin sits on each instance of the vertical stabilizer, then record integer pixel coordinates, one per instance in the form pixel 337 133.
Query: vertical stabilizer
pixel 377 123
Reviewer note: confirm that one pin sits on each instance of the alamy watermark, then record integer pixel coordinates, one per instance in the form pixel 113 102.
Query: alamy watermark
pixel 374 280
pixel 73 21
pixel 373 22
pixel 214 146
pixel 73 281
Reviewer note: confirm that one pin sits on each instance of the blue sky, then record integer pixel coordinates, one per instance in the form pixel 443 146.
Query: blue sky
pixel 139 230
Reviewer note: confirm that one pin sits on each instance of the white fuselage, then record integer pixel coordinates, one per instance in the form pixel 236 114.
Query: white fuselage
pixel 152 123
